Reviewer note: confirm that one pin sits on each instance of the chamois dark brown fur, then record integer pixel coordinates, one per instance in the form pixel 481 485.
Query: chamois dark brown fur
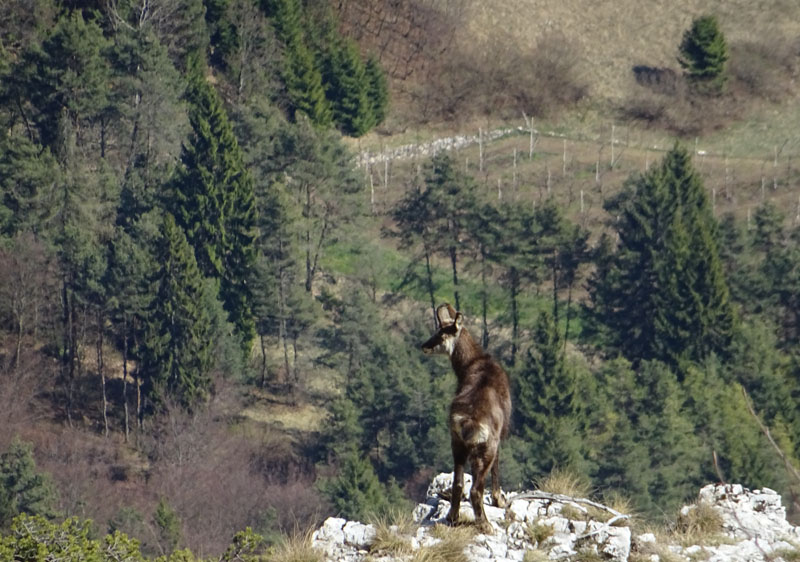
pixel 479 412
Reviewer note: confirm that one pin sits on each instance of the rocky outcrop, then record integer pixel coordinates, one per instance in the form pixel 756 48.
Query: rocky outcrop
pixel 534 525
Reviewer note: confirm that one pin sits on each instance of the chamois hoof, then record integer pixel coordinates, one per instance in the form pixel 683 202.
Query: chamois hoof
pixel 485 527
pixel 499 500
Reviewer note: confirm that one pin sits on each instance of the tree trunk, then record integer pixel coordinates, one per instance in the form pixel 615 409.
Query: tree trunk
pixel 567 315
pixel 125 377
pixel 514 315
pixel 484 298
pixel 454 262
pixel 263 382
pixel 101 370
pixel 429 272
pixel 555 286
pixel 67 357
pixel 18 347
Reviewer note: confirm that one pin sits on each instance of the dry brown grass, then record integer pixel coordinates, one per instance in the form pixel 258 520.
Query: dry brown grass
pixel 392 533
pixel 700 525
pixel 613 37
pixel 566 482
pixel 295 547
pixel 450 548
pixel 539 532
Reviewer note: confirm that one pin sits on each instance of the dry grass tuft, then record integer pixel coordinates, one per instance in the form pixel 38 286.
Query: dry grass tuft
pixel 392 533
pixel 535 556
pixel 539 532
pixel 450 547
pixel 702 524
pixel 566 482
pixel 295 547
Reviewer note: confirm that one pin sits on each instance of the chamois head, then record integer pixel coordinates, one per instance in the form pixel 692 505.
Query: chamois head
pixel 450 325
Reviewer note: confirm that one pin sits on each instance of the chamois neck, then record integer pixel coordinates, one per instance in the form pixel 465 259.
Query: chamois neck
pixel 465 352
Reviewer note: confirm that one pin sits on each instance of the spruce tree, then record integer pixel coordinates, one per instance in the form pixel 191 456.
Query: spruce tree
pixel 662 294
pixel 356 493
pixel 703 54
pixel 347 87
pixel 547 402
pixel 378 88
pixel 22 488
pixel 212 200
pixel 301 75
pixel 176 350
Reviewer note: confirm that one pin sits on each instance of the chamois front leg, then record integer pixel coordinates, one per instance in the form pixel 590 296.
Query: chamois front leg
pixel 459 460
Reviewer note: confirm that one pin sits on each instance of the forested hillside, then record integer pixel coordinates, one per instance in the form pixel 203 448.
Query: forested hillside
pixel 211 310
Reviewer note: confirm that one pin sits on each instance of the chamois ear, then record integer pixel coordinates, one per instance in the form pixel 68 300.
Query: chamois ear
pixel 459 320
pixel 445 314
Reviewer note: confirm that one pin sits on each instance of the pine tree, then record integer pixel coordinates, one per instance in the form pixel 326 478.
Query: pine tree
pixel 392 421
pixel 28 175
pixel 639 438
pixel 176 350
pixel 662 294
pixel 66 79
pixel 450 199
pixel 703 54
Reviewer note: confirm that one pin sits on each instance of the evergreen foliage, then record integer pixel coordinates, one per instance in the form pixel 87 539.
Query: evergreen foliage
pixel 212 200
pixel 378 88
pixel 356 493
pixel 347 87
pixel 390 408
pixel 662 293
pixel 64 82
pixel 547 405
pixel 168 525
pixel 176 349
pixel 28 175
pixel 301 75
pixel 703 54
pixel 22 488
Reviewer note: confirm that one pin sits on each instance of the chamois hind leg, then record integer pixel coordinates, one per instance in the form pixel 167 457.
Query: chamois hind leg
pixel 459 460
pixel 481 463
pixel 497 496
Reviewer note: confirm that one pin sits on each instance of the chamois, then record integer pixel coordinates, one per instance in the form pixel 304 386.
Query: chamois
pixel 479 412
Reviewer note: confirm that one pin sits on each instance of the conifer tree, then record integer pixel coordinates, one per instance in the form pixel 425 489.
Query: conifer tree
pixel 638 436
pixel 703 54
pixel 301 75
pixel 547 402
pixel 28 175
pixel 22 488
pixel 450 199
pixel 176 349
pixel 67 78
pixel 378 88
pixel 356 493
pixel 212 200
pixel 662 294
pixel 347 87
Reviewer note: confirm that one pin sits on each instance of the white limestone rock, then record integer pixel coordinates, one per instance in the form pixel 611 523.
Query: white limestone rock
pixel 754 522
pixel 358 535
